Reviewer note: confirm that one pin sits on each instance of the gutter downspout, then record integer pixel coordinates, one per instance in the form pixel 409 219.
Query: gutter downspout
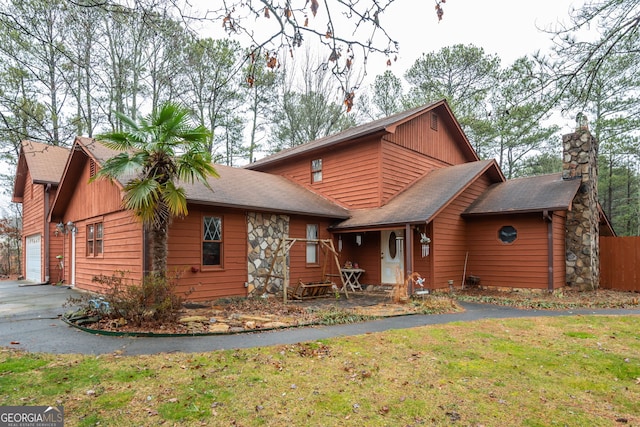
pixel 47 276
pixel 408 243
pixel 549 220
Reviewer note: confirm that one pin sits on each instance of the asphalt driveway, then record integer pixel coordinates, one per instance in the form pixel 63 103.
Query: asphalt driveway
pixel 30 320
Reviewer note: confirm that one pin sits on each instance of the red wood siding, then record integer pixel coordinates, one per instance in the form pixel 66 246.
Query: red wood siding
pixel 32 208
pixel 32 216
pixel 122 250
pixel 350 175
pixel 185 251
pixel 423 265
pixel 521 264
pixel 55 249
pixel 417 135
pixel 401 168
pixel 210 283
pixel 92 199
pixel 620 263
pixel 449 241
pixel 34 220
pixel 368 173
pixel 100 201
pixel 298 267
pixel 367 255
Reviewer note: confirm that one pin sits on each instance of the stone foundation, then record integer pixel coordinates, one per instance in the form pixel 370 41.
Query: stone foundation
pixel 580 153
pixel 264 232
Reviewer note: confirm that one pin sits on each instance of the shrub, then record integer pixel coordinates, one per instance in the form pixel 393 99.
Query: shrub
pixel 153 301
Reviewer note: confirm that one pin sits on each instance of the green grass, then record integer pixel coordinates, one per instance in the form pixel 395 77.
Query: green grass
pixel 579 370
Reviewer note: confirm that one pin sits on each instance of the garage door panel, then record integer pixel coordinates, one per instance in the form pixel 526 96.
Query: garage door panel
pixel 34 258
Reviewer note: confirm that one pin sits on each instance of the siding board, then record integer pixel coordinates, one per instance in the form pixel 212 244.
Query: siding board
pixel 521 264
pixel 122 251
pixel 418 136
pixel 350 176
pixel 620 263
pixel 449 244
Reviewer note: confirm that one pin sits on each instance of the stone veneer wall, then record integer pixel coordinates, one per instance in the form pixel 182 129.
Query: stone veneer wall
pixel 580 154
pixel 264 232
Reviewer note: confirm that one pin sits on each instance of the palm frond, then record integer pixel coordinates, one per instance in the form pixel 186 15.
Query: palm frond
pixel 193 166
pixel 141 197
pixel 120 141
pixel 175 199
pixel 119 166
pixel 126 121
pixel 199 135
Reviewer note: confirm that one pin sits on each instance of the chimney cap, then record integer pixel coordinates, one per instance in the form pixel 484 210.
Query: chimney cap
pixel 581 122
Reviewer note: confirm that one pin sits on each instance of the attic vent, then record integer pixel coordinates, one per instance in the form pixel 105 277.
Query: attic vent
pixel 92 168
pixel 434 121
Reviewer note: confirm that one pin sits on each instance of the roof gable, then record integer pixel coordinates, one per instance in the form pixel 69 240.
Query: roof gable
pixel 428 196
pixel 44 162
pixel 236 187
pixel 71 175
pixel 382 126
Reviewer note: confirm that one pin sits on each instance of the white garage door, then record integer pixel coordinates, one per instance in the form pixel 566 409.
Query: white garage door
pixel 34 265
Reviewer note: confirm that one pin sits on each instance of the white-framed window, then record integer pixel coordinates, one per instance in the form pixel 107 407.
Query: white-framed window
pixel 212 241
pixel 312 247
pixel 316 170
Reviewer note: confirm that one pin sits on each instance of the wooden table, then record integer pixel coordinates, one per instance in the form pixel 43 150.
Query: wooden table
pixel 352 277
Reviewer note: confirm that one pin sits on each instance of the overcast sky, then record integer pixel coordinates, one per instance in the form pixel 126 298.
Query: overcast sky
pixel 508 28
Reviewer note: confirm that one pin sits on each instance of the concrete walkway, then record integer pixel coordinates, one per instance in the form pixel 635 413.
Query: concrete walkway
pixel 30 320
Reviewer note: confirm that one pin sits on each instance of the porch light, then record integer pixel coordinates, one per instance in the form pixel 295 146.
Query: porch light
pixel 359 239
pixel 71 227
pixel 59 228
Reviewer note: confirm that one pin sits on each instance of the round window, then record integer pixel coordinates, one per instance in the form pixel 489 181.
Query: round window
pixel 393 249
pixel 507 234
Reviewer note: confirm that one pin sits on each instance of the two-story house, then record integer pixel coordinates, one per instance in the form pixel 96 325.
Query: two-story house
pixel 399 195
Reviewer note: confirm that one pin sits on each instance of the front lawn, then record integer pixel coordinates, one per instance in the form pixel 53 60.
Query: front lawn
pixel 582 370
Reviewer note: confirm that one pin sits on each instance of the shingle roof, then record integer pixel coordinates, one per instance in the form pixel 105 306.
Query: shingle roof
pixel 98 151
pixel 531 194
pixel 422 200
pixel 258 190
pixel 246 189
pixel 46 162
pixel 384 124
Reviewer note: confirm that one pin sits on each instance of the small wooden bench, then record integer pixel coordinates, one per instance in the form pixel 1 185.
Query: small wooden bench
pixel 309 290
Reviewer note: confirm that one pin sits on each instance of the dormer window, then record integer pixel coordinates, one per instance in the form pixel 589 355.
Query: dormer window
pixel 316 170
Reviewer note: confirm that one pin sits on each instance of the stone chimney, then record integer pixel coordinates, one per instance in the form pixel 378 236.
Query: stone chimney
pixel 580 154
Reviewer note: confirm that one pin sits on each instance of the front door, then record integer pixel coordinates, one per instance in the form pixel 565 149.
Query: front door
pixel 392 256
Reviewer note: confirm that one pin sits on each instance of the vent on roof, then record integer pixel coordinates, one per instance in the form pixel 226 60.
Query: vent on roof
pixel 434 121
pixel 92 168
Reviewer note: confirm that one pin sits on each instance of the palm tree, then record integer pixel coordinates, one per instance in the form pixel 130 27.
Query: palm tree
pixel 156 153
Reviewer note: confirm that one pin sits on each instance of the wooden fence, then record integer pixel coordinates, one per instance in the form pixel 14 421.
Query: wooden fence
pixel 620 263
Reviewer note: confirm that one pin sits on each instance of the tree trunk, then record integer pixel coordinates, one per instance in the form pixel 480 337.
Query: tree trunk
pixel 159 249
